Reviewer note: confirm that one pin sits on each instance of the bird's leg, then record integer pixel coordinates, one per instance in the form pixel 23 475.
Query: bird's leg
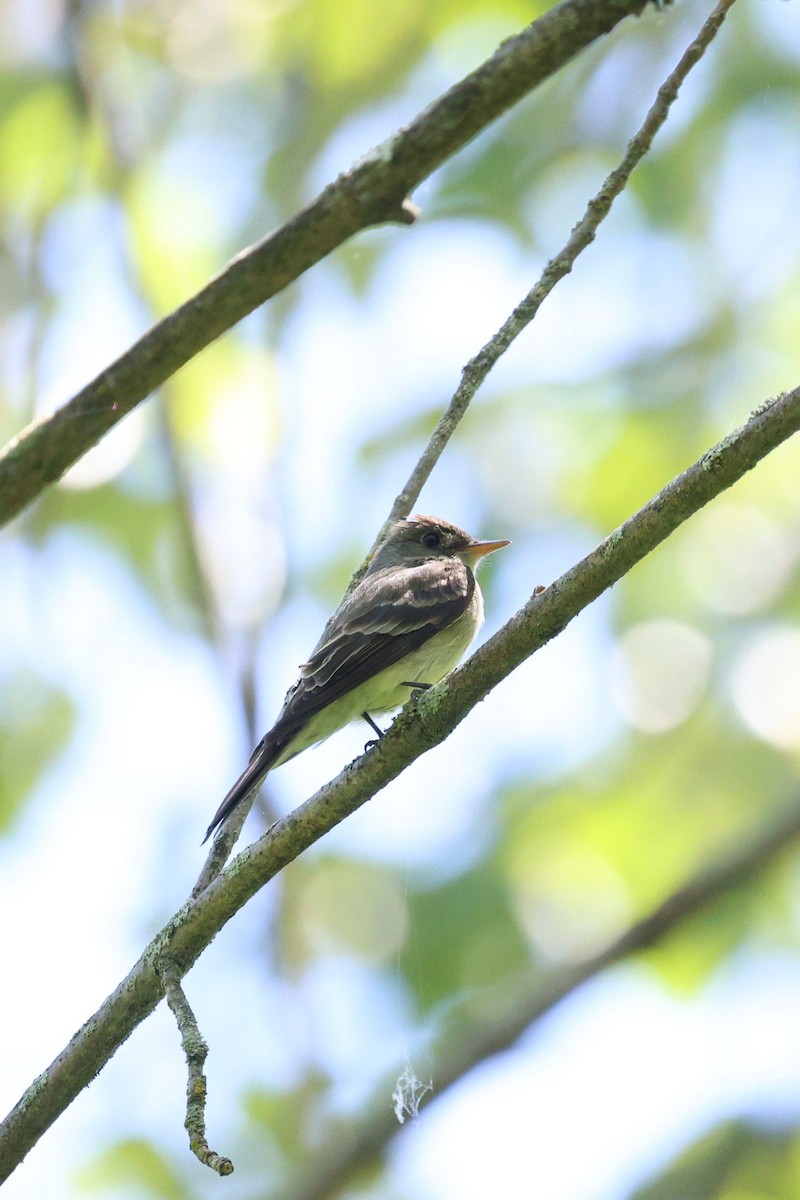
pixel 416 688
pixel 373 741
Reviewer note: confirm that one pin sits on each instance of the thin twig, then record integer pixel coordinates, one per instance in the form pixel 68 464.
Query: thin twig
pixel 200 583
pixel 557 268
pixel 93 97
pixel 196 1050
pixel 222 845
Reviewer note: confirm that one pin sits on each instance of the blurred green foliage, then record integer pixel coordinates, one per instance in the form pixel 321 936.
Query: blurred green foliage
pixel 133 1167
pixel 733 1162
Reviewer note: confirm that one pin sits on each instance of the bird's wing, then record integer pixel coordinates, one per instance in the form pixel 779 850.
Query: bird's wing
pixel 386 617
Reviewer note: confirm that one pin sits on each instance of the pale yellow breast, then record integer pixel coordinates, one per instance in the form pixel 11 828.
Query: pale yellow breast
pixel 385 691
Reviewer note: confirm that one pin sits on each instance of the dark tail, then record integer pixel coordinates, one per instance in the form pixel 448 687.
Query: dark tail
pixel 263 758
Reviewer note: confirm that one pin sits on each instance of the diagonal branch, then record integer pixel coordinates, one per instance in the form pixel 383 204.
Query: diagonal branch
pixel 374 191
pixel 416 730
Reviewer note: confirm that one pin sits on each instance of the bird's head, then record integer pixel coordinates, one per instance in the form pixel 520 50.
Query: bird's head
pixel 420 539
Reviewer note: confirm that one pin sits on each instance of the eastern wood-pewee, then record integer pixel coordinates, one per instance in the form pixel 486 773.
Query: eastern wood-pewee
pixel 404 626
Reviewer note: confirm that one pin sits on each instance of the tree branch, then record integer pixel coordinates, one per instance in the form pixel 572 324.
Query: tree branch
pixel 374 191
pixel 195 1051
pixel 417 729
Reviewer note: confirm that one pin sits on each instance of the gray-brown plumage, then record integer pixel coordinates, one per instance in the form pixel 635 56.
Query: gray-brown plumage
pixel 408 621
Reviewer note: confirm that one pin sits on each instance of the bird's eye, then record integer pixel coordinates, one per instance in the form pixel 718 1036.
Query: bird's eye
pixel 431 540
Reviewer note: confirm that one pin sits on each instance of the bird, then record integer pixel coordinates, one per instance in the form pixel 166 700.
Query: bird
pixel 407 622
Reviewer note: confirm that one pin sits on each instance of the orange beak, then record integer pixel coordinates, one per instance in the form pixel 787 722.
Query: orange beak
pixel 478 549
pixel 481 548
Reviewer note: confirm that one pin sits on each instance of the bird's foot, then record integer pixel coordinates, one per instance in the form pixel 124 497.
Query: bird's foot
pixel 373 741
pixel 417 689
